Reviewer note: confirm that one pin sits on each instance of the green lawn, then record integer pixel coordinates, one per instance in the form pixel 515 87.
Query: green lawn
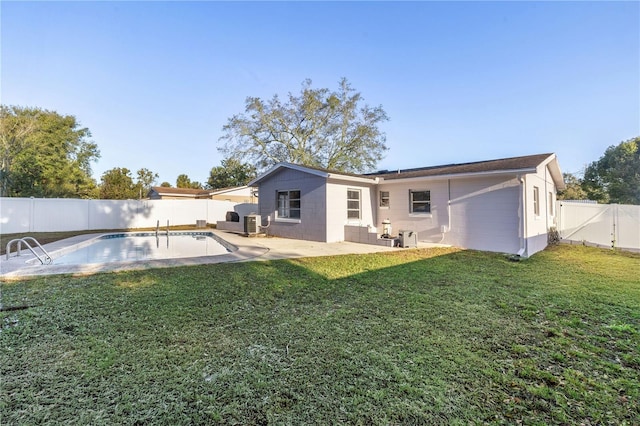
pixel 435 336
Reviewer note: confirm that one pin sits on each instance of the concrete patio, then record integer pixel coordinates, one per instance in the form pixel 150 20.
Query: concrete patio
pixel 256 248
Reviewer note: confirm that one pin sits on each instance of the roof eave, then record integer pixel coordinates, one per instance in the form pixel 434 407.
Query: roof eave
pixel 279 166
pixel 554 169
pixel 358 179
pixel 224 191
pixel 461 175
pixel 314 172
pixel 173 194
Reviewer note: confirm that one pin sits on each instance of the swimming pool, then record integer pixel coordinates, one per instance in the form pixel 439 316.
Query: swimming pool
pixel 140 246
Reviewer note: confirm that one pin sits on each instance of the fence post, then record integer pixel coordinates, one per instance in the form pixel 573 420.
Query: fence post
pixel 614 225
pixel 32 209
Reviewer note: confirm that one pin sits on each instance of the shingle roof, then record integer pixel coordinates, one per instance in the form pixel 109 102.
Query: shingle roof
pixel 527 164
pixel 504 164
pixel 326 173
pixel 179 191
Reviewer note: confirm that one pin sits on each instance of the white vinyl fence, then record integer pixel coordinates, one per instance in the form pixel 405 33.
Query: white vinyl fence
pixel 23 215
pixel 604 225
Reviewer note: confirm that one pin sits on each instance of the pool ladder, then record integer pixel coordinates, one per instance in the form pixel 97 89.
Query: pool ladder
pixel 20 241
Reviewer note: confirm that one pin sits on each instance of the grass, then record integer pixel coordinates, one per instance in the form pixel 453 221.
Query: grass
pixel 436 336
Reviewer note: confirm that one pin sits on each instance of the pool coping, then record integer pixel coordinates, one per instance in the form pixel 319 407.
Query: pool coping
pixel 19 268
pixel 249 248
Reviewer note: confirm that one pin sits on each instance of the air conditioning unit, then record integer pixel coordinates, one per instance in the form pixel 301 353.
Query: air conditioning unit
pixel 408 238
pixel 252 223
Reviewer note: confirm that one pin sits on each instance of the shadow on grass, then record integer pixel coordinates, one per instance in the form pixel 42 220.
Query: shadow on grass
pixel 430 337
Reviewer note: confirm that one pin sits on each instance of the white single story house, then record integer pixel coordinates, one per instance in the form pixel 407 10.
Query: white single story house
pixel 238 194
pixel 504 205
pixel 169 193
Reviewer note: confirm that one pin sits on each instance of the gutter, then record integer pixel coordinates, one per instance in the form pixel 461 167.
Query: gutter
pixel 369 180
pixel 522 216
pixel 517 172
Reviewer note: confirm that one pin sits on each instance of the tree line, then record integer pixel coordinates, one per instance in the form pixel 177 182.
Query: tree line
pixel 614 178
pixel 45 154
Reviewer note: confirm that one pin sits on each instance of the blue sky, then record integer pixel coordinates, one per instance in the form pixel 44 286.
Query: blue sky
pixel 156 81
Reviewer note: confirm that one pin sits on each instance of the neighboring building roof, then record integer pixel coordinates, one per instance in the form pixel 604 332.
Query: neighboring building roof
pixel 524 164
pixel 164 191
pixel 179 192
pixel 227 190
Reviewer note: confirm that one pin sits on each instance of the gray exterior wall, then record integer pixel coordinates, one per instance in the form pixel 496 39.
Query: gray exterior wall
pixel 483 212
pixel 312 225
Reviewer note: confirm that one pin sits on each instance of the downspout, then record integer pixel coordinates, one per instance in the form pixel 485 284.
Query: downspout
pixel 448 228
pixel 522 216
pixel 268 224
pixel 546 195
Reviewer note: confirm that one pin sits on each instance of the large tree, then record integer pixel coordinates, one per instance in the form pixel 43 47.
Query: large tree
pixel 44 154
pixel 230 173
pixel 317 127
pixel 146 179
pixel 118 184
pixel 183 181
pixel 615 177
pixel 573 188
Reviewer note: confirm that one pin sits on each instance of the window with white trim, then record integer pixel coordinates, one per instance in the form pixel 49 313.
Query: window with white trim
pixel 288 204
pixel 536 201
pixel 419 201
pixel 384 198
pixel 353 204
pixel 550 203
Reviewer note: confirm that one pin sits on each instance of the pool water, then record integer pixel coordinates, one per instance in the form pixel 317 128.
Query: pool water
pixel 144 246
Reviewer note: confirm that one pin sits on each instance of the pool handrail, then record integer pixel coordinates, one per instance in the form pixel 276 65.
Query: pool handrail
pixel 47 259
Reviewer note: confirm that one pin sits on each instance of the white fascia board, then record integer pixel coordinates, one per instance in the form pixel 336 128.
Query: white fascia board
pixel 224 191
pixel 458 176
pixel 313 172
pixel 173 194
pixel 358 179
pixel 304 169
pixel 554 169
pixel 279 166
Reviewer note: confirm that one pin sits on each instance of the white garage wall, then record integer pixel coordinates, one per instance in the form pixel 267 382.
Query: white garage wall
pixel 537 226
pixel 426 225
pixel 484 214
pixel 337 208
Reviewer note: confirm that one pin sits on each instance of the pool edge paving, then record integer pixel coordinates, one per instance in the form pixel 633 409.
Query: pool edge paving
pixel 248 248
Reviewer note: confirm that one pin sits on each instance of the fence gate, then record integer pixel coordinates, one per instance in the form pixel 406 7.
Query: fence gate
pixel 602 225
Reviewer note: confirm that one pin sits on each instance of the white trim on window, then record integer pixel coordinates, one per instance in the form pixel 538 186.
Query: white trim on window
pixel 288 205
pixel 354 204
pixel 383 199
pixel 286 220
pixel 419 202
